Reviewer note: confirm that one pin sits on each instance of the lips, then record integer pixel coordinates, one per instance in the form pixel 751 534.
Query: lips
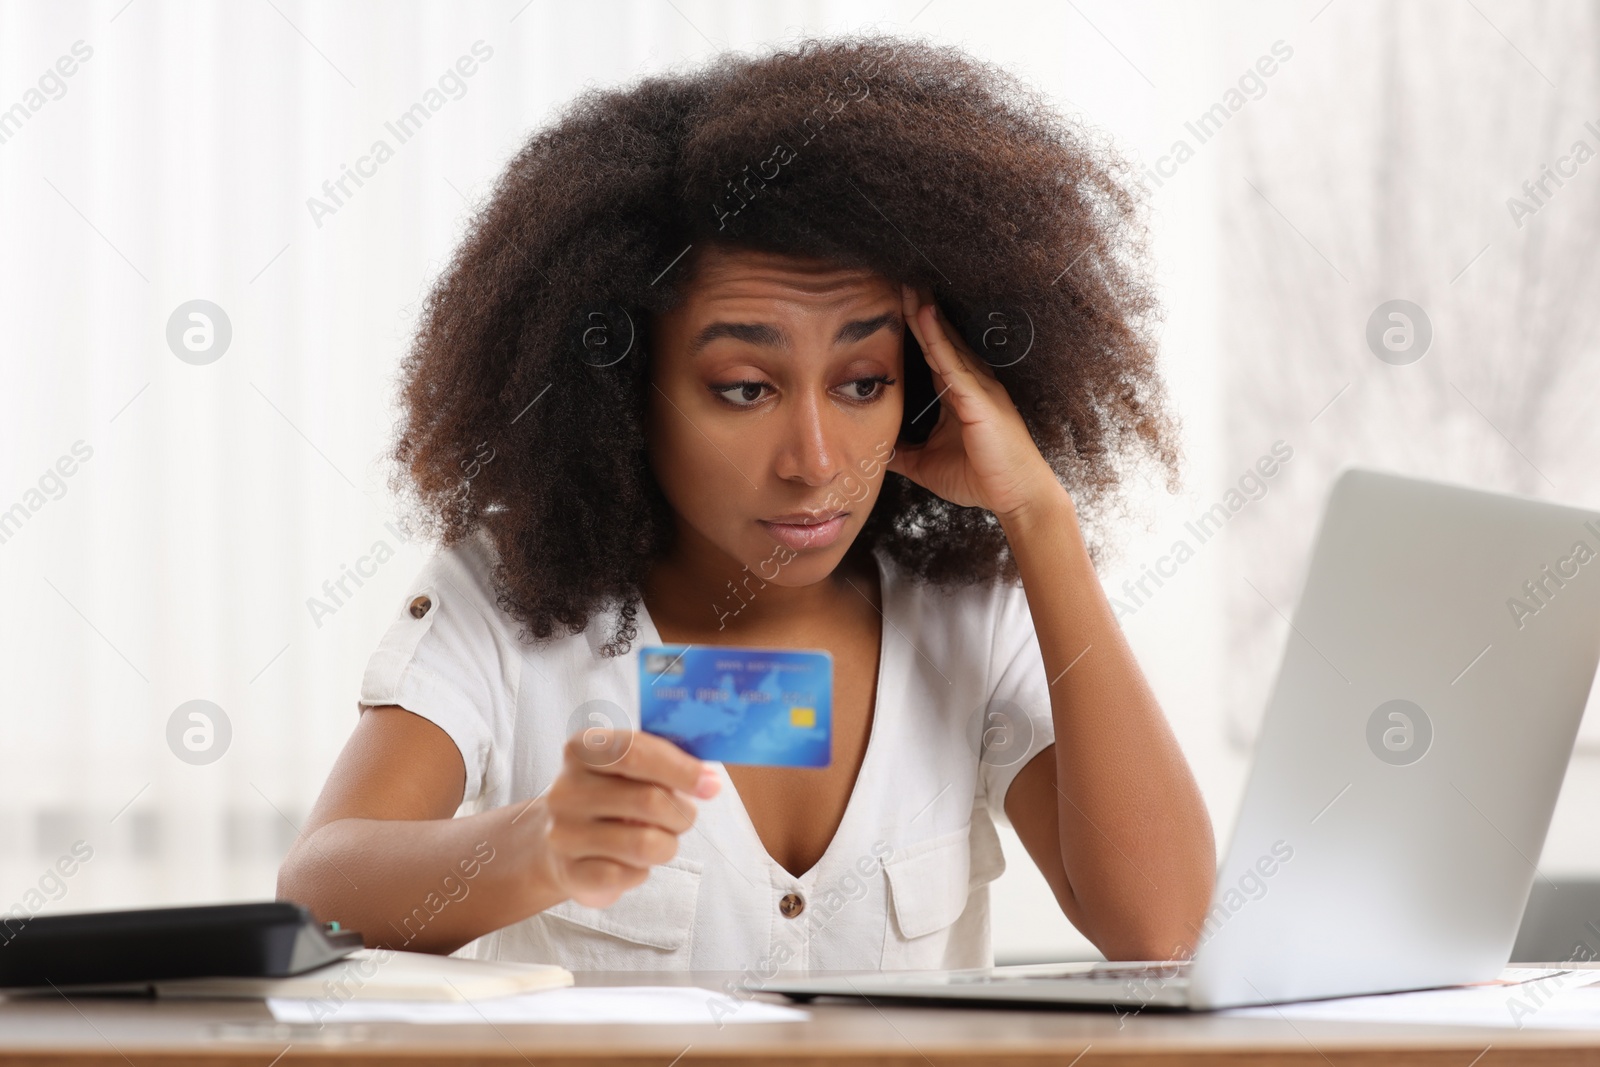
pixel 802 530
pixel 805 518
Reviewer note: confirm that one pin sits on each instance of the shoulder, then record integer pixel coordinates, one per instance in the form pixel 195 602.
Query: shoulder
pixel 446 623
pixel 464 571
pixel 460 582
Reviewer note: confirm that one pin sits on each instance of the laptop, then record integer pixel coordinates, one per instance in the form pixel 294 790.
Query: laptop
pixel 1412 748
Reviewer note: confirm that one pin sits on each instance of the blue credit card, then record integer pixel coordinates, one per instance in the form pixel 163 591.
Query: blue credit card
pixel 768 706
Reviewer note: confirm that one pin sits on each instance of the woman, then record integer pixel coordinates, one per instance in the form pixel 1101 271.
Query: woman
pixel 696 377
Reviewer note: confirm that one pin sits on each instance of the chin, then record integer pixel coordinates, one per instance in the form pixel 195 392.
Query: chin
pixel 778 564
pixel 801 568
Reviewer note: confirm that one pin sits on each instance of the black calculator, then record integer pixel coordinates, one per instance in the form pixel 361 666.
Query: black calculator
pixel 275 939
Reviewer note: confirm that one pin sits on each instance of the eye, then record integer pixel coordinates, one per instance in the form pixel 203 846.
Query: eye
pixel 874 381
pixel 745 389
pixel 747 393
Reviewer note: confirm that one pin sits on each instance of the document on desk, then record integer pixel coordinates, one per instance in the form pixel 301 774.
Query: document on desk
pixel 579 1004
pixel 380 974
pixel 1522 997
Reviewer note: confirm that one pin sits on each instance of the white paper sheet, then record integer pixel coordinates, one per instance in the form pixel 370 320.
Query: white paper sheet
pixel 580 1004
pixel 1563 1000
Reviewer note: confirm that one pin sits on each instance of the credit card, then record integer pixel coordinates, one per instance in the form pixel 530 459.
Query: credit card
pixel 766 706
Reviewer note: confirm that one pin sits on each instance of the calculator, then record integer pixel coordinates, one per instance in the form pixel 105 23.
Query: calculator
pixel 273 939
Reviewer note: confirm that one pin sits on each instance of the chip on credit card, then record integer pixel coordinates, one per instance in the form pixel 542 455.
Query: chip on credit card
pixel 767 706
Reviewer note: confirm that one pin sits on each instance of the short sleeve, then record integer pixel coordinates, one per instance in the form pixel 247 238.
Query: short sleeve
pixel 444 657
pixel 1017 722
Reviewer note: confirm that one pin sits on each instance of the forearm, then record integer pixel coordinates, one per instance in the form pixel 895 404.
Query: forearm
pixel 1136 843
pixel 423 885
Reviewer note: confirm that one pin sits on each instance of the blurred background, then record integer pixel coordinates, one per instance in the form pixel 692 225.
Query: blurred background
pixel 1376 227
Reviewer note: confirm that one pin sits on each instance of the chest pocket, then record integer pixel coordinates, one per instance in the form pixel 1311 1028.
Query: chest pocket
pixel 931 885
pixel 650 927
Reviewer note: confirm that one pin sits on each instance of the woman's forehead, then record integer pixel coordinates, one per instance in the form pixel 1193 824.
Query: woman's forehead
pixel 717 268
pixel 741 277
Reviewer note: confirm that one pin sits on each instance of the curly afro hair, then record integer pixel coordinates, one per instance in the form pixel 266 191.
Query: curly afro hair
pixel 524 391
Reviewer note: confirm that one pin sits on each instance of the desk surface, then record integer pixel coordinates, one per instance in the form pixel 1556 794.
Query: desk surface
pixel 134 1033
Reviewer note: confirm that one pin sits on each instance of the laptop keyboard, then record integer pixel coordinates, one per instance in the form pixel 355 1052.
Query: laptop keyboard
pixel 1157 972
pixel 1163 972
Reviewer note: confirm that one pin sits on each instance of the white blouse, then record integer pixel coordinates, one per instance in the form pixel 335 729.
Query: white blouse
pixel 962 706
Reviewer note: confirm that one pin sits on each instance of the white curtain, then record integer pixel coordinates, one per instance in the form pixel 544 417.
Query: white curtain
pixel 1463 176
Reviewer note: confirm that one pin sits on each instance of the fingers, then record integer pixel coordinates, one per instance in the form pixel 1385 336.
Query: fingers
pixel 617 809
pixel 641 757
pixel 911 306
pixel 934 338
pixel 969 360
pixel 946 351
pixel 598 796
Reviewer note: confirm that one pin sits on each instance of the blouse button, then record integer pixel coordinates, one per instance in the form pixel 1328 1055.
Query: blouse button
pixel 791 905
pixel 420 606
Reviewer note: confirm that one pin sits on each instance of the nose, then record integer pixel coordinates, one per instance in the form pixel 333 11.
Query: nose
pixel 808 452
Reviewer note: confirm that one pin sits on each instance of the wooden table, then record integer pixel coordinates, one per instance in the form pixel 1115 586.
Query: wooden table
pixel 134 1033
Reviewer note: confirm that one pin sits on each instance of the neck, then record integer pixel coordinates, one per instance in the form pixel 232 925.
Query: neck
pixel 699 588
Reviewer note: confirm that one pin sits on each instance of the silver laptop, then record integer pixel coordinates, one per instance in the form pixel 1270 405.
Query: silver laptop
pixel 1415 740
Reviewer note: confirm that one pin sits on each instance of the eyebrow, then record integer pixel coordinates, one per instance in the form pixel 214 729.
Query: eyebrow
pixel 768 336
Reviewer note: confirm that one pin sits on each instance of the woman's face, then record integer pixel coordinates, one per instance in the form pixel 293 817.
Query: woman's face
pixel 776 400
